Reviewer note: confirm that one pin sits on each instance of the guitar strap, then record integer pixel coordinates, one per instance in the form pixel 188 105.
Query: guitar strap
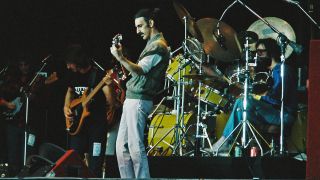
pixel 92 79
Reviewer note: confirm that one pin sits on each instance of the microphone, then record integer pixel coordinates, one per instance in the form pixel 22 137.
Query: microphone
pixel 297 48
pixel 46 58
pixel 291 1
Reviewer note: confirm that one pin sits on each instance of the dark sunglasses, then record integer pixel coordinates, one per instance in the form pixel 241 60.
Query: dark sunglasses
pixel 259 51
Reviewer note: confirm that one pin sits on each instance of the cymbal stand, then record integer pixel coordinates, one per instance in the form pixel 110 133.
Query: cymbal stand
pixel 203 131
pixel 179 97
pixel 244 122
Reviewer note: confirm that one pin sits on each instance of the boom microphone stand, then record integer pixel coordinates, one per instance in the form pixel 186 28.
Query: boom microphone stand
pixel 27 95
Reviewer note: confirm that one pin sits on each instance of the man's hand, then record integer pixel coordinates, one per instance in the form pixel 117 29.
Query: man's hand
pixel 107 79
pixel 117 52
pixel 67 112
pixel 11 105
pixel 256 97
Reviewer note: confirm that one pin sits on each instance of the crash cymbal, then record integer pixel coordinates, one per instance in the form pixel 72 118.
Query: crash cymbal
pixel 226 49
pixel 265 31
pixel 252 37
pixel 191 24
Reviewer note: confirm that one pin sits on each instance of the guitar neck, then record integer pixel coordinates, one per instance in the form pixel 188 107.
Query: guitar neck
pixel 95 90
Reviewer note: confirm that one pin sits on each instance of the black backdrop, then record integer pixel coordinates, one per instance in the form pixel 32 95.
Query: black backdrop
pixel 42 27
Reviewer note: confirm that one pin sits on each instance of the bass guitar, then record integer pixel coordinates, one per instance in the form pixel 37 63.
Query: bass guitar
pixel 80 106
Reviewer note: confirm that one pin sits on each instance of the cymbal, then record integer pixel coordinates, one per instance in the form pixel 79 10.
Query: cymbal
pixel 231 48
pixel 264 31
pixel 252 37
pixel 191 24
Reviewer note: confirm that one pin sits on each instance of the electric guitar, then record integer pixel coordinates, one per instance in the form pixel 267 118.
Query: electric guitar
pixel 10 114
pixel 80 106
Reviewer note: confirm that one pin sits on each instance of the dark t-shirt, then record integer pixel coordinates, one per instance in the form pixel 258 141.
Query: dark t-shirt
pixel 81 82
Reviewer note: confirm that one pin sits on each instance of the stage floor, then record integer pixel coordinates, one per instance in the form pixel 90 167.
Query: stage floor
pixel 219 167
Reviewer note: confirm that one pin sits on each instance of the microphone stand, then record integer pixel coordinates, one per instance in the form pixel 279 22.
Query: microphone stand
pixel 3 70
pixel 283 42
pixel 27 94
pixel 310 18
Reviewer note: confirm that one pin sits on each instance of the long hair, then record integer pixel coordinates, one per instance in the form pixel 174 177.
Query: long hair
pixel 273 49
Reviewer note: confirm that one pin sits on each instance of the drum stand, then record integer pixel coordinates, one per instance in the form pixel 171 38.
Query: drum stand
pixel 201 129
pixel 179 105
pixel 244 122
pixel 179 127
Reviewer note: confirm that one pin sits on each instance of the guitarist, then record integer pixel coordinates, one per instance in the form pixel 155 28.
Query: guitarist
pixel 147 77
pixel 17 77
pixel 91 138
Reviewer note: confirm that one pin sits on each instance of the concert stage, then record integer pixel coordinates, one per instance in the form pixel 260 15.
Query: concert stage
pixel 219 167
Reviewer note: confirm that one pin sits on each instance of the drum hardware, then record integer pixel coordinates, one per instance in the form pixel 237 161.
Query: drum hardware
pixel 201 129
pixel 283 41
pixel 245 141
pixel 192 49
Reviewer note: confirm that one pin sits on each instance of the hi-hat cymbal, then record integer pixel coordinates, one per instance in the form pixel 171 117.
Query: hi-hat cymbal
pixel 227 49
pixel 191 24
pixel 213 81
pixel 265 31
pixel 252 37
pixel 203 77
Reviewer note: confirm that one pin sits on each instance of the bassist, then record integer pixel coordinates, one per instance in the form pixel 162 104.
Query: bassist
pixel 101 108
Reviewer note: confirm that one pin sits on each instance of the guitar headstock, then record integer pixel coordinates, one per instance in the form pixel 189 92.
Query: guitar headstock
pixel 117 40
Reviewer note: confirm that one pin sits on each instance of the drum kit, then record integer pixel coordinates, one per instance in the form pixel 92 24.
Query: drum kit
pixel 204 86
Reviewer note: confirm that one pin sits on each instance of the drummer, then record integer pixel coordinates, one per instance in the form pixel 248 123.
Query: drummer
pixel 264 109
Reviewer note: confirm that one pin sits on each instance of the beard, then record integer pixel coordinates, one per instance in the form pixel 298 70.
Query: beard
pixel 263 64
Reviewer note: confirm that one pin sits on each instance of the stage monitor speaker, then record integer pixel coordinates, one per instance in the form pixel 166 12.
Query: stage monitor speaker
pixel 70 165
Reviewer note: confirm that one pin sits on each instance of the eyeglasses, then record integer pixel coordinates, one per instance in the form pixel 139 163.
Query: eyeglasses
pixel 260 51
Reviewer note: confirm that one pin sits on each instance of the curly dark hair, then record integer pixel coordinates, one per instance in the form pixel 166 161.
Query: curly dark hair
pixel 149 14
pixel 79 56
pixel 273 49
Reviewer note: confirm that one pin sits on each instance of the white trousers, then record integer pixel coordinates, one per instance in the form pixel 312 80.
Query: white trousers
pixel 131 153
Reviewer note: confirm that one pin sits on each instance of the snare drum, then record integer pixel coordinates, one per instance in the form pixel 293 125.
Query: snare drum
pixel 162 126
pixel 211 96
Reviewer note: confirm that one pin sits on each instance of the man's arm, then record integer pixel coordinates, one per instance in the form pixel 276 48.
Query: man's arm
pixel 129 65
pixel 7 104
pixel 67 101
pixel 111 101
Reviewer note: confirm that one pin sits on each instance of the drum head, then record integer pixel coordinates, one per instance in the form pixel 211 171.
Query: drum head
pixel 195 50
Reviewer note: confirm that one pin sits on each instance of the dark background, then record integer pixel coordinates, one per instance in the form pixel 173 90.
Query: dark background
pixel 42 27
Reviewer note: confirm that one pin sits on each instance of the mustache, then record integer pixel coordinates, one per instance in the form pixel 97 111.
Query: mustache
pixel 140 33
